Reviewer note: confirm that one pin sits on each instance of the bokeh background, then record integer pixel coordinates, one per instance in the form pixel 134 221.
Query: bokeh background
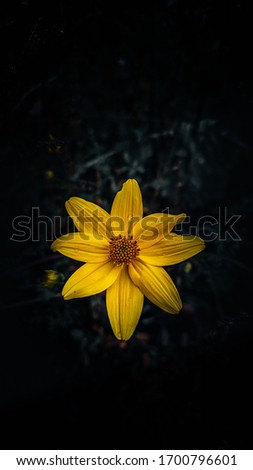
pixel 161 92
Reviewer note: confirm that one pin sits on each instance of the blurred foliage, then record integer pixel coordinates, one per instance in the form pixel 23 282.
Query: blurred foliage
pixel 157 93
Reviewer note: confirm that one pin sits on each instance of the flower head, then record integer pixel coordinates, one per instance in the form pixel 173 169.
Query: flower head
pixel 124 254
pixel 51 278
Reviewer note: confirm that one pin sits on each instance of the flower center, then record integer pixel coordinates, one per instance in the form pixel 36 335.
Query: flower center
pixel 123 250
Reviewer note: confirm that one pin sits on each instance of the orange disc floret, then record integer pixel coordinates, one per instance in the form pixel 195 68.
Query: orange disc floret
pixel 123 250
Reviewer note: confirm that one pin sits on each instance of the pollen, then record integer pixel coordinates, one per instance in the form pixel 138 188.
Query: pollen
pixel 123 250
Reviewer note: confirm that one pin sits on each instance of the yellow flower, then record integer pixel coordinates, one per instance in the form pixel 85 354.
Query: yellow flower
pixel 51 278
pixel 124 254
pixel 188 268
pixel 49 174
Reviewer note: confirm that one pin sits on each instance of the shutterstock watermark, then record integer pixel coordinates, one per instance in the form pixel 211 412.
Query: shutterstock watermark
pixel 39 227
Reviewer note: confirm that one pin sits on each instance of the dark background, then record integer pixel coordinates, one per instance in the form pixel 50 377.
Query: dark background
pixel 160 92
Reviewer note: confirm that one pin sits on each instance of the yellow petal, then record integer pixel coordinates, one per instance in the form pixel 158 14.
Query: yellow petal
pixel 154 227
pixel 156 284
pixel 82 247
pixel 90 279
pixel 171 250
pixel 89 217
pixel 127 208
pixel 124 303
